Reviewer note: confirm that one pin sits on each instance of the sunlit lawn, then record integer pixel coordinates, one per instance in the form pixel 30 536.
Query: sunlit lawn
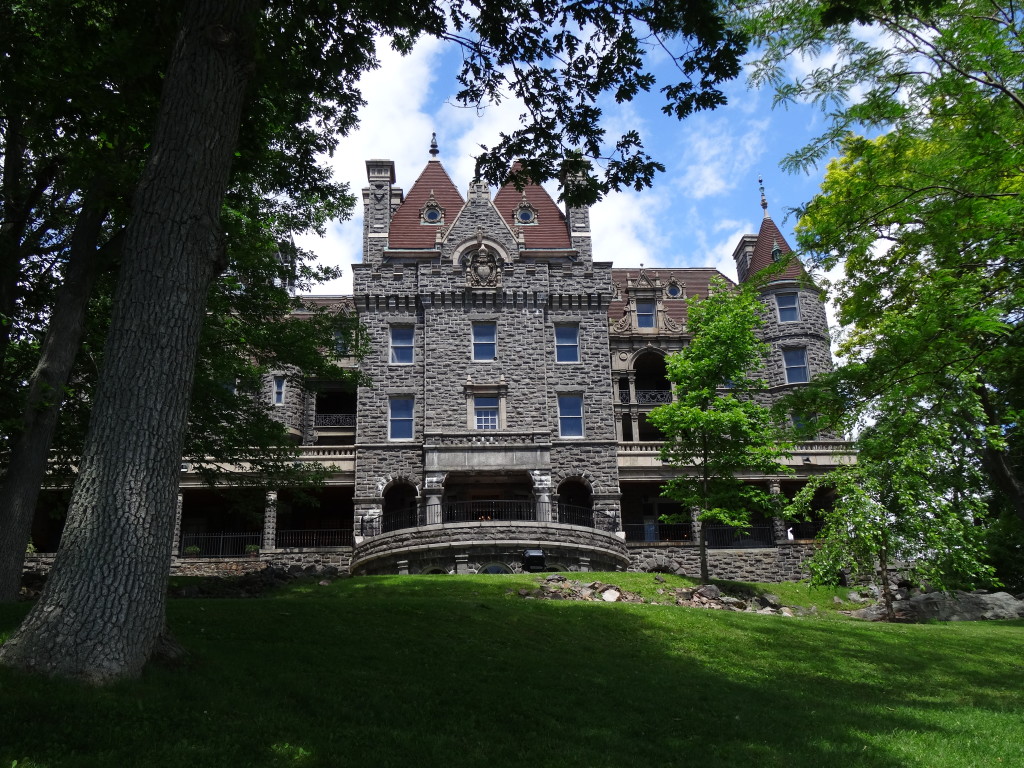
pixel 458 671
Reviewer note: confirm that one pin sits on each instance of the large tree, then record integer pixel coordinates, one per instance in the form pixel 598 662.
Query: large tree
pixel 102 612
pixel 922 210
pixel 716 427
pixel 71 158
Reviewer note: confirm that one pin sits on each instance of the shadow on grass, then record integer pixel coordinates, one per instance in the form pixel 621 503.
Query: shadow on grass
pixel 418 678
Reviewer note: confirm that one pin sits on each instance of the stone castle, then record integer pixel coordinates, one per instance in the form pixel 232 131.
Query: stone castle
pixel 504 428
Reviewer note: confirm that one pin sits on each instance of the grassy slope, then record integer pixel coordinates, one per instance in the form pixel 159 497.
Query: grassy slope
pixel 451 672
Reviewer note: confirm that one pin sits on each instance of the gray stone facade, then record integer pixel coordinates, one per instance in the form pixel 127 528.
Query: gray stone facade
pixel 507 383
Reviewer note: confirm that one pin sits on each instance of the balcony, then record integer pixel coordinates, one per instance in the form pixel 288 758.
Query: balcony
pixel 340 420
pixel 647 397
pixel 482 511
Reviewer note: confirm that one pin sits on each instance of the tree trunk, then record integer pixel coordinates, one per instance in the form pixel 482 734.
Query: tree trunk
pixel 883 565
pixel 26 469
pixel 998 463
pixel 101 613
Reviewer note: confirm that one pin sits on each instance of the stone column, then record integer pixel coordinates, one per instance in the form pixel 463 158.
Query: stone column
pixel 433 489
pixel 270 521
pixel 462 563
pixel 695 525
pixel 176 541
pixel 778 524
pixel 542 495
pixel 632 387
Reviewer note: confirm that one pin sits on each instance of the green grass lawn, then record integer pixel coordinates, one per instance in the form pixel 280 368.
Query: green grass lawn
pixel 456 671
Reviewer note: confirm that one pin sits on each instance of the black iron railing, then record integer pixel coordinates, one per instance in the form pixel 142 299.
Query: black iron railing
pixel 334 420
pixel 658 532
pixel 222 544
pixel 571 514
pixel 729 537
pixel 501 510
pixel 806 530
pixel 314 537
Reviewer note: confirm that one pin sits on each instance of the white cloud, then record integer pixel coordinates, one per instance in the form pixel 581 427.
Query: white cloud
pixel 715 160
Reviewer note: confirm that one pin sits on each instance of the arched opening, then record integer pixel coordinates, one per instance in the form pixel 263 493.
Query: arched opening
pixel 575 503
pixel 399 507
pixel 652 386
pixel 495 568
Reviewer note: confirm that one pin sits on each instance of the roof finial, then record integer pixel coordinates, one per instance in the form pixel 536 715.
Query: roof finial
pixel 764 202
pixel 434 151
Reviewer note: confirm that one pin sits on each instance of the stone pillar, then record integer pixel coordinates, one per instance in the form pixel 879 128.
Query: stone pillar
pixel 542 496
pixel 585 564
pixel 462 563
pixel 618 424
pixel 403 567
pixel 632 387
pixel 270 521
pixel 433 489
pixel 176 541
pixel 366 517
pixel 778 524
pixel 695 525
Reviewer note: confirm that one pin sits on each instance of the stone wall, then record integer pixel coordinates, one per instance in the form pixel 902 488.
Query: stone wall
pixel 466 547
pixel 781 563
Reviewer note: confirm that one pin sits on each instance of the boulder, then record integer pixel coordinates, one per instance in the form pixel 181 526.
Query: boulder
pixel 949 606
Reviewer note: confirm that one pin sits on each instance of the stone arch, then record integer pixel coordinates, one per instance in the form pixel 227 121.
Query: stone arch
pixel 575 473
pixel 387 481
pixel 648 366
pixel 399 506
pixel 471 244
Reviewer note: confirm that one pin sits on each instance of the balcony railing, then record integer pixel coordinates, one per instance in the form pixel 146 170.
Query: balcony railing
pixel 718 536
pixel 647 396
pixel 223 544
pixel 314 537
pixel 658 531
pixel 728 537
pixel 334 420
pixel 502 510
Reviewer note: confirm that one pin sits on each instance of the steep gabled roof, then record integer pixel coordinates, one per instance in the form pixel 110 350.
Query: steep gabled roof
pixel 407 230
pixel 768 239
pixel 551 229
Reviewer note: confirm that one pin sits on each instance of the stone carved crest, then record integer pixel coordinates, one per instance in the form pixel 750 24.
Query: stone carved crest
pixel 483 269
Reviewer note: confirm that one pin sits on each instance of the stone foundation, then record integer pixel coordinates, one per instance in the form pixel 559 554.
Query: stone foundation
pixel 764 564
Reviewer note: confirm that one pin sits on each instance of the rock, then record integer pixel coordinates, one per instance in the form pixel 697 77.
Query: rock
pixel 733 602
pixel 659 579
pixel 554 577
pixel 837 600
pixel 610 595
pixel 949 606
pixel 785 611
pixel 768 600
pixel 709 591
pixel 324 583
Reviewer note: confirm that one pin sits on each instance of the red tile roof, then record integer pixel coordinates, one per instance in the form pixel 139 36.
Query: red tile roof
pixel 551 229
pixel 767 238
pixel 407 231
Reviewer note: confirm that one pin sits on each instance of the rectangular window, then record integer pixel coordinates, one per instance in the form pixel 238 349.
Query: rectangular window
pixel 400 418
pixel 645 314
pixel 789 309
pixel 279 382
pixel 485 412
pixel 570 415
pixel 401 345
pixel 796 365
pixel 567 343
pixel 485 341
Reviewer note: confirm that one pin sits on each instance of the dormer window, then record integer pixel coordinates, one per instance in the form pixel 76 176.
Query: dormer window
pixel 776 251
pixel 525 213
pixel 431 212
pixel 645 314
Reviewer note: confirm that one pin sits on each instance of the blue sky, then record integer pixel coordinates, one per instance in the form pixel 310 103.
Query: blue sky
pixel 693 216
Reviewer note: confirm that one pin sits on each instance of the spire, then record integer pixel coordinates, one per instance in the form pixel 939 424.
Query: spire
pixel 434 151
pixel 764 202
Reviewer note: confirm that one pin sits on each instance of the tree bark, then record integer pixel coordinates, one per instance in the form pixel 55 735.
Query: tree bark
pixel 19 489
pixel 101 613
pixel 998 463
